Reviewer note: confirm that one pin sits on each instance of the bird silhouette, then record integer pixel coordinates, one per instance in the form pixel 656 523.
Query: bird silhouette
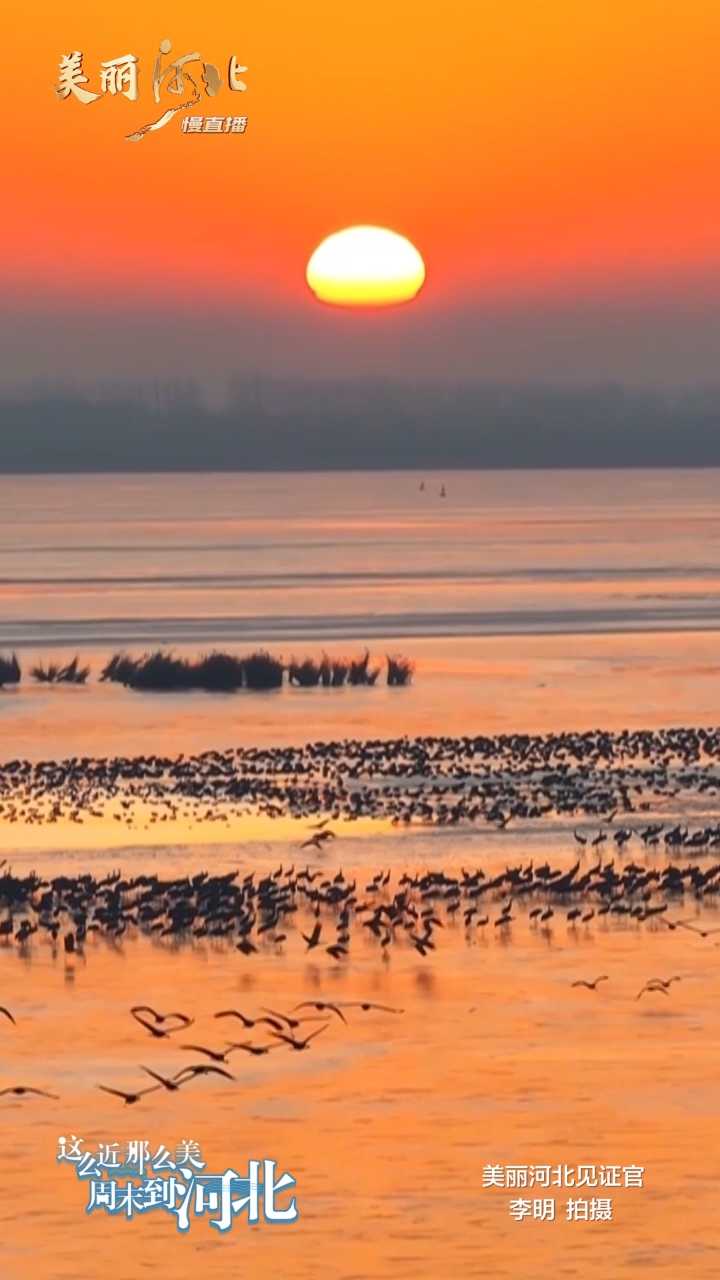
pixel 129 1098
pixel 367 1005
pixel 295 1043
pixel 215 1055
pixel 201 1069
pixel 158 1026
pixel 249 1023
pixel 313 938
pixel 170 1085
pixel 591 986
pixel 22 1091
pixel 658 984
pixel 258 1050
pixel 320 1006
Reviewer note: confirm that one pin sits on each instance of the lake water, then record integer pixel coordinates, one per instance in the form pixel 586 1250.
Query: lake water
pixel 284 558
pixel 529 600
pixel 388 1122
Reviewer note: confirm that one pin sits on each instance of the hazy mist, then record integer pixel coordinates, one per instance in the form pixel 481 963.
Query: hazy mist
pixel 266 425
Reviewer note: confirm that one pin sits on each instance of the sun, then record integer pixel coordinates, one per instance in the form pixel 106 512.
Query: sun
pixel 365 267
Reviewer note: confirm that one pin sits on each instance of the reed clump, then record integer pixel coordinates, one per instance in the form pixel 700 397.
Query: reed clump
pixel 213 672
pixel 339 669
pixel 306 674
pixel 361 672
pixel 55 673
pixel 399 670
pixel 119 668
pixel 262 671
pixel 160 671
pixel 226 673
pixel 10 670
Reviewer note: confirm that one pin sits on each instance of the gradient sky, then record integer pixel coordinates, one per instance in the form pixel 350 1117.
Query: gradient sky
pixel 556 164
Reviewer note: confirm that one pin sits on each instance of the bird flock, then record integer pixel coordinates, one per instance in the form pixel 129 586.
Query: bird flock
pixel 439 781
pixel 649 869
pixel 265 913
pixel 391 910
pixel 283 1031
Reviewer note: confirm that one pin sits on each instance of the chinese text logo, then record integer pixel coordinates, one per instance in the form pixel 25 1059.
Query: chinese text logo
pixel 138 1181
pixel 120 76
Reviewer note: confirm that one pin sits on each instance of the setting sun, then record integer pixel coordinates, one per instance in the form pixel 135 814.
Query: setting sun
pixel 365 267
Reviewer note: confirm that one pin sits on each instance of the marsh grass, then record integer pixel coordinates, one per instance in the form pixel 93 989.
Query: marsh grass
pixel 360 671
pixel 213 672
pixel 10 670
pixel 306 674
pixel 399 670
pixel 338 672
pixel 262 671
pixel 54 673
pixel 224 672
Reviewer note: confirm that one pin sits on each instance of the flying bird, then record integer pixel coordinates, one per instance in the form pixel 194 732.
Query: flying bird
pixel 591 986
pixel 155 1028
pixel 249 1023
pixel 366 1005
pixel 320 1006
pixel 182 1018
pixel 129 1098
pixel 278 1019
pixel 650 986
pixel 21 1091
pixel 315 842
pixel 313 938
pixel 336 951
pixel 170 1085
pixel 215 1055
pixel 233 1013
pixel 256 1049
pixel 202 1069
pixel 298 1044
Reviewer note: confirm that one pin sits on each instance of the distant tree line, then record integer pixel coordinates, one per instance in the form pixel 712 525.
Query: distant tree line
pixel 313 426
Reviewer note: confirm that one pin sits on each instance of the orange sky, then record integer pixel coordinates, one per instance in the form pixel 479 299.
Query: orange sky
pixel 520 145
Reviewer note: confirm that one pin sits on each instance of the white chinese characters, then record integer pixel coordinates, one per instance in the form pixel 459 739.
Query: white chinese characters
pixel 594 1208
pixel 135 1180
pixel 214 124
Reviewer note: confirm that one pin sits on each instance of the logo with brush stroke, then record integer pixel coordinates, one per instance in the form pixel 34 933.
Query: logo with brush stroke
pixel 189 77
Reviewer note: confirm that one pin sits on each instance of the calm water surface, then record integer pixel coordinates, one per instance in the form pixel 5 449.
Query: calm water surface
pixel 529 600
pixel 388 1122
pixel 285 557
